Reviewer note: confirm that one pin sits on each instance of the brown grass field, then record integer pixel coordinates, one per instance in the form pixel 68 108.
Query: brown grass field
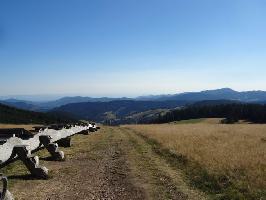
pixel 237 152
pixel 27 126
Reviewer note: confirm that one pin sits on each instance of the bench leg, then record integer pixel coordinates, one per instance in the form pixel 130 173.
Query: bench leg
pixel 5 194
pixel 31 162
pixel 54 151
pixel 65 142
pixel 8 196
pixel 52 148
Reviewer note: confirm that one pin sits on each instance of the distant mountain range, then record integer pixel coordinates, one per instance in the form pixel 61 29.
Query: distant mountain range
pixel 101 109
pixel 48 105
pixel 21 104
pixel 224 93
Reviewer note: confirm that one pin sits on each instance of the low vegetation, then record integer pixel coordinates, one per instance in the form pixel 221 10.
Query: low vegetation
pixel 228 160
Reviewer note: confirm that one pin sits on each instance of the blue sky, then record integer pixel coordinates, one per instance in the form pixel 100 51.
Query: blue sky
pixel 131 47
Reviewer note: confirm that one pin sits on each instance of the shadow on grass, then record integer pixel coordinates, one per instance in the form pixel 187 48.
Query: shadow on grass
pixel 48 158
pixel 22 177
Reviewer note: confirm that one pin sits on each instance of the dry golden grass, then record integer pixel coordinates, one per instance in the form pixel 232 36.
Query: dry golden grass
pixel 238 151
pixel 27 126
pixel 200 120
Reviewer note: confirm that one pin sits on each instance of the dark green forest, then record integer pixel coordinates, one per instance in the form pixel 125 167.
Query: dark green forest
pixel 12 115
pixel 254 113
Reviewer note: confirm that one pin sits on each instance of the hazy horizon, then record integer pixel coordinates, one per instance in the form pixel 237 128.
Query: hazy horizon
pixel 52 97
pixel 131 48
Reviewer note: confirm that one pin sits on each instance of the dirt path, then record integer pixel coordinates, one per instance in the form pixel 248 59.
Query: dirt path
pixel 159 179
pixel 114 163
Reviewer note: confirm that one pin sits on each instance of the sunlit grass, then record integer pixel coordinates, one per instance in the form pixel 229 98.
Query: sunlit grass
pixel 237 152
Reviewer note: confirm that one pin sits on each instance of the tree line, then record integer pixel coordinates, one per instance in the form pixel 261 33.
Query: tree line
pixel 17 116
pixel 255 113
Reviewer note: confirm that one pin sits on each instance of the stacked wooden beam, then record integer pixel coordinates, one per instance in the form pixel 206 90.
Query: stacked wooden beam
pixel 18 144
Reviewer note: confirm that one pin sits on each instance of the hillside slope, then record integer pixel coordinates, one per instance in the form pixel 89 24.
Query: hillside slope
pixel 13 115
pixel 114 110
pixel 255 113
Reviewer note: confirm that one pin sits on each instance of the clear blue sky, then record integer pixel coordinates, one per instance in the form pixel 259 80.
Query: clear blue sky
pixel 131 47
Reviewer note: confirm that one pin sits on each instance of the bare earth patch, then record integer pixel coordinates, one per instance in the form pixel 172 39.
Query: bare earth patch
pixel 95 169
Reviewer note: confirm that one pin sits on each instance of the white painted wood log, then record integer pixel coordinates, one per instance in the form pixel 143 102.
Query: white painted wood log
pixel 33 143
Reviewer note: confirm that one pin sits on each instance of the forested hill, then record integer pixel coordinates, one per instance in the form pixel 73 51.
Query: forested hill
pixel 237 111
pixel 17 116
pixel 116 110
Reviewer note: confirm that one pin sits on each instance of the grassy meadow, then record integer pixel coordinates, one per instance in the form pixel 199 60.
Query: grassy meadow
pixel 232 158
